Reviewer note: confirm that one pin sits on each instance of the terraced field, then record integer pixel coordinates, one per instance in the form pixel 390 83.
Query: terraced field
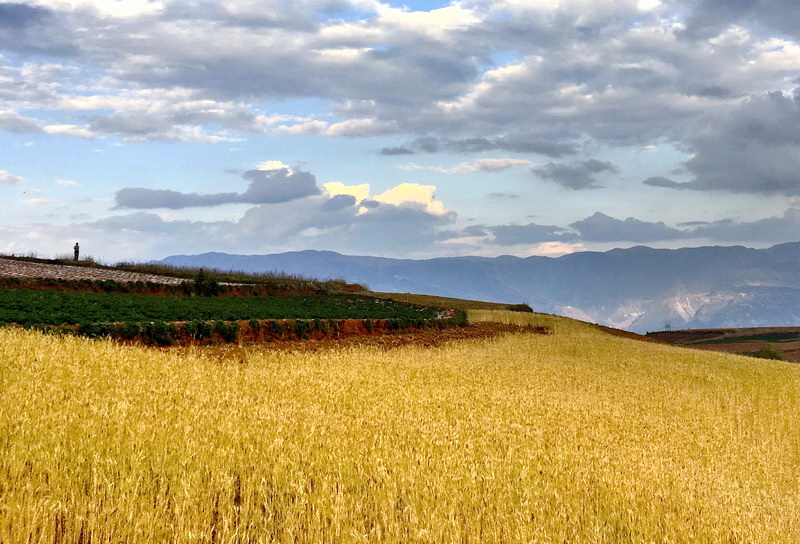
pixel 24 269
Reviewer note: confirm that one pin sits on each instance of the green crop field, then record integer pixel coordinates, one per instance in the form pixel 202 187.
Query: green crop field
pixel 28 307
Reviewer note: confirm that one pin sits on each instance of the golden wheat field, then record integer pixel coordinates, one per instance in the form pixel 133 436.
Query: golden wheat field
pixel 574 437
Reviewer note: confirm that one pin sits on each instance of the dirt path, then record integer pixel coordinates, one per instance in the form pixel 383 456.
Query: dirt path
pixel 23 269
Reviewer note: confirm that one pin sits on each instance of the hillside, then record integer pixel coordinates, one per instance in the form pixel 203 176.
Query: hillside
pixel 771 342
pixel 576 436
pixel 638 289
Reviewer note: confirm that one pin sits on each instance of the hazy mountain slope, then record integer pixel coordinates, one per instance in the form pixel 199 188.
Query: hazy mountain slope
pixel 639 289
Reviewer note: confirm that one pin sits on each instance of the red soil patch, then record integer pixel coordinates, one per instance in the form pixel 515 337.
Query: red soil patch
pixel 429 338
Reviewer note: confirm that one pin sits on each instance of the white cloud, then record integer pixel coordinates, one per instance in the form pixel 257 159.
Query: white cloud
pixel 413 194
pixel 107 8
pixel 306 128
pixel 272 165
pixel 67 183
pixel 359 192
pixel 70 130
pixel 484 165
pixel 436 23
pixel 355 128
pixel 40 201
pixel 7 178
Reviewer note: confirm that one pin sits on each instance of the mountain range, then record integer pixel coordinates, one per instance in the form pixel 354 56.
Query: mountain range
pixel 639 289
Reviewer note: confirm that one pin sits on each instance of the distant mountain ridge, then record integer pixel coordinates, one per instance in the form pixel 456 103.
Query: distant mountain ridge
pixel 638 289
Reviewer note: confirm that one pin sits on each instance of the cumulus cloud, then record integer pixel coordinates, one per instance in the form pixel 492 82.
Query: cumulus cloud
pixel 13 122
pixel 519 144
pixel 754 148
pixel 413 195
pixel 433 76
pixel 359 192
pixel 294 213
pixel 7 178
pixel 660 181
pixel 706 18
pixel 771 230
pixel 602 228
pixel 576 176
pixel 529 78
pixel 266 187
pixel 483 165
pixel 272 186
pixel 509 235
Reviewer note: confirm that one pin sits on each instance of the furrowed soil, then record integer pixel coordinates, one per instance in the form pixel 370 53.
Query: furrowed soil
pixel 426 338
pixel 742 340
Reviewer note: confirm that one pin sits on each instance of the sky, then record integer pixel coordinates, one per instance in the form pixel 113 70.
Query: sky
pixel 418 129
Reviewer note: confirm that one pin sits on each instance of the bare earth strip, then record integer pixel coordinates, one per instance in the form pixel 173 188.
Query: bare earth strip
pixel 22 269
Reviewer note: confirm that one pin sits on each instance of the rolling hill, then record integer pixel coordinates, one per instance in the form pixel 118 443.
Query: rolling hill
pixel 639 289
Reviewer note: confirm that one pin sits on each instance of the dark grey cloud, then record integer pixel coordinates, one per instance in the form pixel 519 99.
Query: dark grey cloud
pixel 266 187
pixel 314 222
pixel 659 181
pixel 603 228
pixel 396 151
pixel 754 148
pixel 509 235
pixel 576 176
pixel 34 29
pixel 503 195
pixel 474 230
pixel 772 230
pixel 578 72
pixel 14 16
pixel 431 144
pixel 272 186
pixel 146 199
pixel 338 202
pixel 711 91
pixel 707 18
pixel 14 122
pixel 172 123
pixel 397 228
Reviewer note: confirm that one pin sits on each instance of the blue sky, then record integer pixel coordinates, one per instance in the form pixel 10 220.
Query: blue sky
pixel 419 129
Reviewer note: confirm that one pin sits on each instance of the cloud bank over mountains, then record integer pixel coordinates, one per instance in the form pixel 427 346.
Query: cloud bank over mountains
pixel 293 211
pixel 637 104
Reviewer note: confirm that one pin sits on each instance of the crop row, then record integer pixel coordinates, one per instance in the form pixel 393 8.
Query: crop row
pixel 27 307
pixel 164 333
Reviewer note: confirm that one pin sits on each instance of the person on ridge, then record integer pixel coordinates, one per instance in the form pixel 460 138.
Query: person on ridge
pixel 77 249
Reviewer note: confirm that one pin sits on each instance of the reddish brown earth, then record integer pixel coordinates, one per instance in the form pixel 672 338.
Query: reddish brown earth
pixel 429 338
pixel 353 332
pixel 693 338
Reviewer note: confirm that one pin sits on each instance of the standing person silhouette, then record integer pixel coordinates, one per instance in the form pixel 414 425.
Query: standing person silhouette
pixel 77 249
